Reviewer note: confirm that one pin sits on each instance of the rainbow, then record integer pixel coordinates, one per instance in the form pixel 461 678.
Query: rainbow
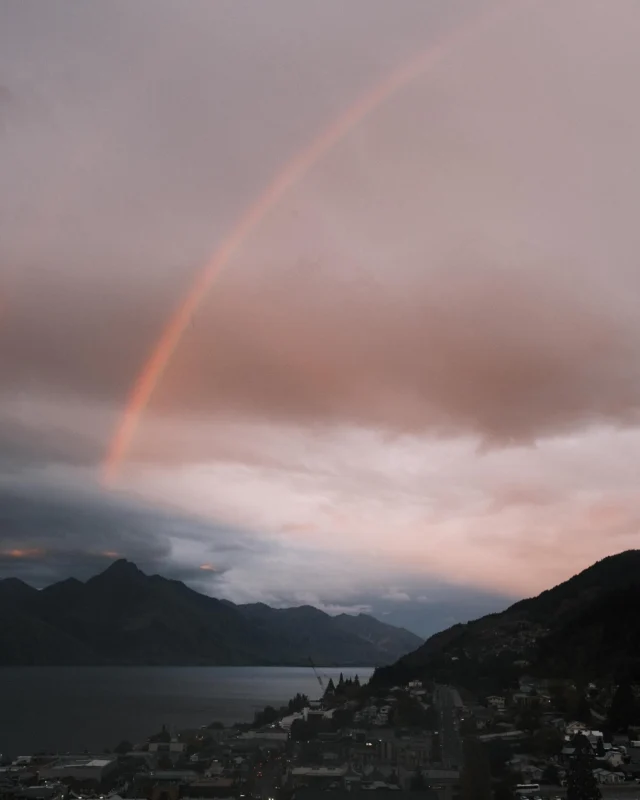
pixel 293 171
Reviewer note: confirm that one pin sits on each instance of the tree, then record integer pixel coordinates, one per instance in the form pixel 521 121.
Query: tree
pixel 267 716
pixel 418 782
pixel 583 710
pixel 164 761
pixel 547 742
pixel 498 753
pixel 600 751
pixel 623 711
pixel 161 736
pixel 551 775
pixel 476 776
pixel 503 790
pixel 215 726
pixel 123 747
pixel 581 782
pixel 297 703
pixel 529 717
pixel 436 748
pixel 331 688
pixel 468 726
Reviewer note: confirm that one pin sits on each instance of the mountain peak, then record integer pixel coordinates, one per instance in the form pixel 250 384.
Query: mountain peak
pixel 15 585
pixel 122 569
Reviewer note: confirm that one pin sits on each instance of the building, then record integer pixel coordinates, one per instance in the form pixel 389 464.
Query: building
pixel 209 787
pixel 79 768
pixel 445 782
pixel 317 777
pixel 267 735
pixel 174 746
pixel 496 701
pixel 604 776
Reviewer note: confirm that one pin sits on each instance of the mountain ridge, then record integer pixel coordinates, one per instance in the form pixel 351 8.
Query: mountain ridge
pixel 122 616
pixel 584 628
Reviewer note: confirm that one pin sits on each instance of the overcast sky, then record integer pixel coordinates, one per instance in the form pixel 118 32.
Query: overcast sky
pixel 415 388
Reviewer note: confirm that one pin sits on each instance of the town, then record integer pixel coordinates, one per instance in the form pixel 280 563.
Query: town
pixel 545 738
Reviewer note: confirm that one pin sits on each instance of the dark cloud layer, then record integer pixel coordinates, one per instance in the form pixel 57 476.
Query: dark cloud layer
pixel 50 532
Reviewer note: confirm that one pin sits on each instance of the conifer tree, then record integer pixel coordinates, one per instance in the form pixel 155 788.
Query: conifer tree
pixel 581 782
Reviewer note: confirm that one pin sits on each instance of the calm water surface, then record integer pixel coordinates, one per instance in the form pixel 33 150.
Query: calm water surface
pixel 73 708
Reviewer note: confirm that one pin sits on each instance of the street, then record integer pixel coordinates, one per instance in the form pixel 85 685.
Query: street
pixel 448 703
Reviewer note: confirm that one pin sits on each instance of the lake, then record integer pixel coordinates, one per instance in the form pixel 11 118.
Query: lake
pixel 76 708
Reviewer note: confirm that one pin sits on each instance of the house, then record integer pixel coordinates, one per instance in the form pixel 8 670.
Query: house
pixel 531 773
pixel 317 776
pixel 518 762
pixel 445 782
pixel 414 751
pixel 482 716
pixel 525 699
pixel 174 749
pixel 266 734
pixel 496 701
pixel 604 776
pixel 215 769
pixel 614 759
pixel 571 728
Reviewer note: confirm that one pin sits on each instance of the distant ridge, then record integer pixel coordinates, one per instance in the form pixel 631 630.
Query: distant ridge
pixel 122 616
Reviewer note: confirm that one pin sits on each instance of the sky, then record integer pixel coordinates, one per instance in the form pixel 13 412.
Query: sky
pixel 414 389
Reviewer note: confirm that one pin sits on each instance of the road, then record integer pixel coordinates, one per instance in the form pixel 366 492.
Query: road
pixel 265 778
pixel 448 705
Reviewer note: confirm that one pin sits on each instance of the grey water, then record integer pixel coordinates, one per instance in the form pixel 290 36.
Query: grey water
pixel 72 709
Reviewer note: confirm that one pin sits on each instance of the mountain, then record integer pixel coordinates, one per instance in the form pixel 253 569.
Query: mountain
pixel 123 616
pixel 586 627
pixel 305 627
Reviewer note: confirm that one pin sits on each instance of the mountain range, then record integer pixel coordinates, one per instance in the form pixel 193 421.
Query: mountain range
pixel 587 627
pixel 123 616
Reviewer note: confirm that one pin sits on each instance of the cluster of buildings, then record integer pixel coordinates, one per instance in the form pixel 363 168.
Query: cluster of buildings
pixel 343 745
pixel 540 747
pixel 404 744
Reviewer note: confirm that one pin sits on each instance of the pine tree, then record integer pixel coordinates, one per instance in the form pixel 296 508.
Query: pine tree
pixel 476 775
pixel 581 782
pixel 356 682
pixel 600 751
pixel 418 782
pixel 331 687
pixel 623 707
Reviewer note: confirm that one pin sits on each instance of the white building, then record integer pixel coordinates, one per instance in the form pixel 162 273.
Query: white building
pixel 80 768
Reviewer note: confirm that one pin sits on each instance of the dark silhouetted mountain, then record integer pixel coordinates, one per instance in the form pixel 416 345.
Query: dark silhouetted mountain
pixel 309 629
pixel 386 638
pixel 584 628
pixel 123 616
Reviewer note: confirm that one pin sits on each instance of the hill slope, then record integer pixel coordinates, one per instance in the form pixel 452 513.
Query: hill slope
pixel 584 627
pixel 123 616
